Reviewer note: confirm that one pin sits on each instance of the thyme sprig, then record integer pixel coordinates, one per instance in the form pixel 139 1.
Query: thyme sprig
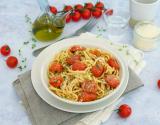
pixel 28 19
pixel 31 42
pixel 101 29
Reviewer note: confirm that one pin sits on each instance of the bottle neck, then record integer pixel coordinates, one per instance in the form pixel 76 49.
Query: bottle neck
pixel 44 6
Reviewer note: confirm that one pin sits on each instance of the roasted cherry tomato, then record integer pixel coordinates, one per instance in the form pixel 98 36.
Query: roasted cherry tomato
pixel 124 111
pixel 73 59
pixel 78 7
pixel 53 9
pixel 89 86
pixel 88 6
pixel 5 50
pixel 112 81
pixel 79 66
pixel 96 12
pixel 76 48
pixel 67 8
pixel 12 61
pixel 113 63
pixel 97 70
pixel 68 18
pixel 109 12
pixel 56 81
pixel 86 97
pixel 76 16
pixel 99 5
pixel 56 67
pixel 96 52
pixel 86 14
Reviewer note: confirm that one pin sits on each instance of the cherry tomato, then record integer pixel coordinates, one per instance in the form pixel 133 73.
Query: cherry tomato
pixel 124 111
pixel 73 59
pixel 56 81
pixel 76 48
pixel 86 97
pixel 158 83
pixel 96 12
pixel 113 63
pixel 88 6
pixel 5 50
pixel 78 7
pixel 86 14
pixel 56 67
pixel 97 70
pixel 53 9
pixel 109 12
pixel 112 81
pixel 96 52
pixel 76 16
pixel 99 5
pixel 12 61
pixel 78 66
pixel 89 86
pixel 68 18
pixel 67 8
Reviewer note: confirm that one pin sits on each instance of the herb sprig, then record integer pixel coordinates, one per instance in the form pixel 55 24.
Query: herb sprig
pixel 32 42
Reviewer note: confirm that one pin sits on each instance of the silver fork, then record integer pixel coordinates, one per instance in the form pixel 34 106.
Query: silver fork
pixel 87 27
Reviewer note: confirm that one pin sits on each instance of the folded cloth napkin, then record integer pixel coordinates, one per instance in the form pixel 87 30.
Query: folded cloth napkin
pixel 41 113
pixel 99 117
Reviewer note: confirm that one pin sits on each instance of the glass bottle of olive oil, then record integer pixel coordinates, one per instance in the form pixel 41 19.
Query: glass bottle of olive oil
pixel 48 27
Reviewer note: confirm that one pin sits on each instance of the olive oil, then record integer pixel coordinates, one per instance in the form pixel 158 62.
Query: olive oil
pixel 48 27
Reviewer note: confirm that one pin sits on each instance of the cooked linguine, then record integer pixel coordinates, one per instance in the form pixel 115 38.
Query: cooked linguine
pixel 83 74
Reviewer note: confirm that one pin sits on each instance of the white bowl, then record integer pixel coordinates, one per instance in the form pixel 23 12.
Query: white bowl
pixel 65 44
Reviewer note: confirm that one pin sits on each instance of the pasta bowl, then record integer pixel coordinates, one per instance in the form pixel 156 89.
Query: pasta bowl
pixel 55 48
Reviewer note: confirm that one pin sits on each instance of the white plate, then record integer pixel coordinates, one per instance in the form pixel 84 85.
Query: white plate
pixel 47 97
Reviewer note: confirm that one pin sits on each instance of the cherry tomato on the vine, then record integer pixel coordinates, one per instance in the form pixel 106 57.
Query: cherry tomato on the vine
pixel 67 8
pixel 99 5
pixel 109 12
pixel 96 12
pixel 76 16
pixel 86 14
pixel 88 6
pixel 78 7
pixel 53 9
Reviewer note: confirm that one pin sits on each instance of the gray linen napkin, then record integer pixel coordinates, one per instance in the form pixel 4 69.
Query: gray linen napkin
pixel 40 113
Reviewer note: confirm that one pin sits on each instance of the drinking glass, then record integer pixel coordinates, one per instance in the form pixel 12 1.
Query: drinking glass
pixel 117 25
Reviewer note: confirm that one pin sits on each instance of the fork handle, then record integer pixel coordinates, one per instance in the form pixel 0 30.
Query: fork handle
pixel 38 50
